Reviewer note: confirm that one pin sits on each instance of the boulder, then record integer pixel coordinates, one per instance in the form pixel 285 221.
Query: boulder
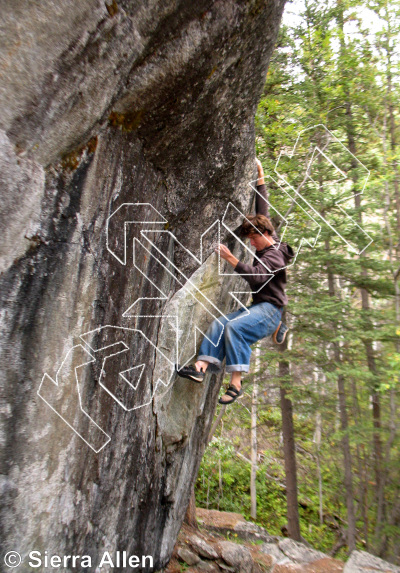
pixel 19 210
pixel 117 117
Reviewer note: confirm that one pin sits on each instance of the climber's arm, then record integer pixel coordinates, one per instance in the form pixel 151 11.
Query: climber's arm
pixel 227 255
pixel 260 180
pixel 260 272
pixel 261 204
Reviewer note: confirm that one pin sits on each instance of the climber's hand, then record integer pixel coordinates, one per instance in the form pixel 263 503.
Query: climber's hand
pixel 260 170
pixel 226 254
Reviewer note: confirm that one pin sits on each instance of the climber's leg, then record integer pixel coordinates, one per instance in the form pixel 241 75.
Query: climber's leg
pixel 231 337
pixel 261 320
pixel 212 349
pixel 234 389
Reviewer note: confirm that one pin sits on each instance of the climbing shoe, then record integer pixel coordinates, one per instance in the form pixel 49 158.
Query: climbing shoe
pixel 280 333
pixel 190 373
pixel 233 393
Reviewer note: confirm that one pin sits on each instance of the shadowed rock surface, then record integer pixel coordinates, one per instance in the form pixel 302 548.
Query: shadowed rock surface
pixel 106 104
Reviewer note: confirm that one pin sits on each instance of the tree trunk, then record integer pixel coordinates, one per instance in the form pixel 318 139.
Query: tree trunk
pixel 318 431
pixel 394 257
pixel 289 452
pixel 216 423
pixel 190 516
pixel 348 478
pixel 375 396
pixel 393 141
pixel 376 407
pixel 253 475
pixel 344 424
pixel 362 467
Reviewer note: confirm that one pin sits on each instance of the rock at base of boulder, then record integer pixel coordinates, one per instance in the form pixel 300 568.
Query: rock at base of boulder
pixel 208 566
pixel 298 552
pixel 287 568
pixel 219 519
pixel 224 521
pixel 237 556
pixel 273 550
pixel 188 556
pixel 363 562
pixel 264 561
pixel 202 547
pixel 325 565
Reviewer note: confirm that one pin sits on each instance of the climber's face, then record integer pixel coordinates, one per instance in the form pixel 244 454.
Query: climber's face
pixel 260 241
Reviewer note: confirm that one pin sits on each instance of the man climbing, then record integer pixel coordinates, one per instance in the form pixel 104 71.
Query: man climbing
pixel 230 337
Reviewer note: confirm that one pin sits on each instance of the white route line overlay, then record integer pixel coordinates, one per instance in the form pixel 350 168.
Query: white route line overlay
pixel 160 221
pixel 56 382
pixel 188 283
pixel 316 149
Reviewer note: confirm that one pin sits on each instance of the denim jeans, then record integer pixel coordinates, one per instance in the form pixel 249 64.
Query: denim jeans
pixel 231 337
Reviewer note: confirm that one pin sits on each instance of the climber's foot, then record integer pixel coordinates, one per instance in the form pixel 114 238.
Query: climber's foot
pixel 280 333
pixel 231 394
pixel 190 373
pixel 201 365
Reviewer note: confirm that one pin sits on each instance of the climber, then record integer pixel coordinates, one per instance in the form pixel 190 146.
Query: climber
pixel 231 336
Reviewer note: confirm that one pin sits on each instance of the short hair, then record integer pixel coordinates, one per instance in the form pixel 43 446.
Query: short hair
pixel 254 223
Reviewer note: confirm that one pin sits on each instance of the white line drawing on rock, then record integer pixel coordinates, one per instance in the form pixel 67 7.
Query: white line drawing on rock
pixel 185 282
pixel 158 220
pixel 132 376
pixel 121 331
pixel 46 393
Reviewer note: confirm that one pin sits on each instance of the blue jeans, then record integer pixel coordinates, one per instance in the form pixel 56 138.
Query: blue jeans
pixel 231 337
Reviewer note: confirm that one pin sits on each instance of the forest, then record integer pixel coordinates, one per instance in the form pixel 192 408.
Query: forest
pixel 313 449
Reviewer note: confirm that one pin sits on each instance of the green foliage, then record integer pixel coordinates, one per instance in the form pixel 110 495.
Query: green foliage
pixel 329 68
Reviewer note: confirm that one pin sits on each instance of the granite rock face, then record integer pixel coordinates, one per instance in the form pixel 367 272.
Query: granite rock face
pixel 116 112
